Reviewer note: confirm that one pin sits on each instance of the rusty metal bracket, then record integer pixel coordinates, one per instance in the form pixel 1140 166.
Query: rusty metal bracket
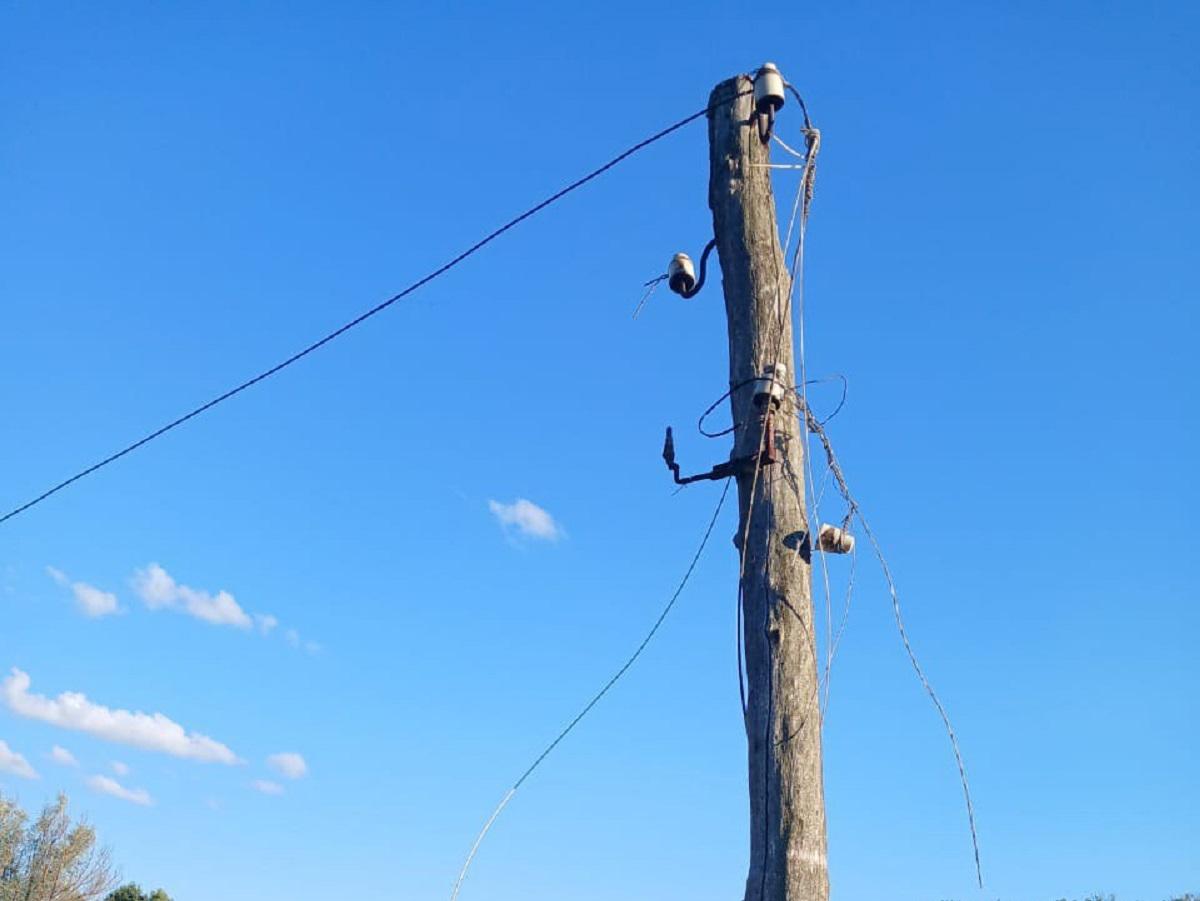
pixel 729 468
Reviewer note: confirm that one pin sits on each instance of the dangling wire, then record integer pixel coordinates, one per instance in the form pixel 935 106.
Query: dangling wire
pixel 836 377
pixel 650 286
pixel 855 512
pixel 595 698
pixel 841 629
pixel 804 198
pixel 741 664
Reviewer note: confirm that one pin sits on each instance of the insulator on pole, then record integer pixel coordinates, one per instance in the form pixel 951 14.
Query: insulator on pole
pixel 772 385
pixel 833 540
pixel 681 275
pixel 768 99
pixel 768 89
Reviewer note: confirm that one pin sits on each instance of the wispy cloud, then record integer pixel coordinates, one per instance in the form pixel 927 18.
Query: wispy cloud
pixel 292 637
pixel 108 786
pixel 267 787
pixel 90 600
pixel 150 731
pixel 121 769
pixel 14 764
pixel 288 764
pixel 526 519
pixel 159 591
pixel 62 756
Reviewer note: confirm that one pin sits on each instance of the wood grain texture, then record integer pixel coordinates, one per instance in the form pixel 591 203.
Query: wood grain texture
pixel 783 722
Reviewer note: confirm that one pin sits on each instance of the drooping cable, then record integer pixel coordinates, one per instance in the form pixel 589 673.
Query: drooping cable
pixel 595 698
pixel 854 511
pixel 373 311
pixel 816 427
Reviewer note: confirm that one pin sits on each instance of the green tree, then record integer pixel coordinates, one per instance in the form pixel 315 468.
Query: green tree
pixel 51 858
pixel 133 892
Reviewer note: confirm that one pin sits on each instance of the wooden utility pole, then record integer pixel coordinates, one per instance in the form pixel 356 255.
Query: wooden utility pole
pixel 783 717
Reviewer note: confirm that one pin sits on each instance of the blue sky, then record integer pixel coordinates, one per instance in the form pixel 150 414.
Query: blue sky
pixel 1000 261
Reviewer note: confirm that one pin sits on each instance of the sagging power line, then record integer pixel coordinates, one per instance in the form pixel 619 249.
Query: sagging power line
pixel 363 317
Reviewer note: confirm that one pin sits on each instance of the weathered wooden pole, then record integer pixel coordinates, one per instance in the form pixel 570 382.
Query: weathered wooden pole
pixel 783 718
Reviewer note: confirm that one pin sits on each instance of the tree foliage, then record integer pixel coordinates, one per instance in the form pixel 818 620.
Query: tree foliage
pixel 50 858
pixel 133 892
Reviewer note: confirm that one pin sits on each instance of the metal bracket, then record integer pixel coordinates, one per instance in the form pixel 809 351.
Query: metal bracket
pixel 732 467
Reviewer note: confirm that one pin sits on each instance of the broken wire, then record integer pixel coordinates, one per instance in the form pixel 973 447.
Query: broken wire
pixel 650 286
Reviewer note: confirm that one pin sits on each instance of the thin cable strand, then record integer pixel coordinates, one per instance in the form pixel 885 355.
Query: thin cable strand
pixel 854 511
pixel 378 308
pixel 804 196
pixel 596 698
pixel 837 638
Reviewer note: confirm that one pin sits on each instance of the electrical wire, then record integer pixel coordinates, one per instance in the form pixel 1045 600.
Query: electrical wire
pixel 804 196
pixel 770 712
pixel 855 512
pixel 803 106
pixel 695 289
pixel 373 311
pixel 837 376
pixel 713 406
pixel 841 629
pixel 741 664
pixel 650 286
pixel 595 698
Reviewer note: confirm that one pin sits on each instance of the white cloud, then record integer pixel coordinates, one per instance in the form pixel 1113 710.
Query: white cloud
pixel 288 764
pixel 527 518
pixel 292 637
pixel 92 602
pixel 13 763
pixel 159 591
pixel 121 769
pixel 151 731
pixel 108 786
pixel 62 756
pixel 267 787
